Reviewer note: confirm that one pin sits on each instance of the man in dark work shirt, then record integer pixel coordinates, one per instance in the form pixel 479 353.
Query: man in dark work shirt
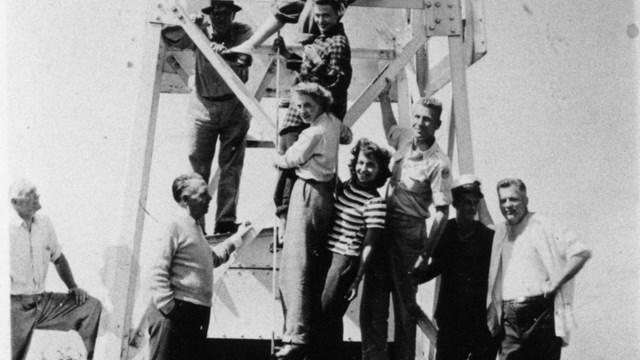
pixel 462 258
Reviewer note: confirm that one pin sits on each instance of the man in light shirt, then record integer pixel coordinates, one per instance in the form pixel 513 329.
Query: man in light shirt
pixel 420 177
pixel 533 263
pixel 33 245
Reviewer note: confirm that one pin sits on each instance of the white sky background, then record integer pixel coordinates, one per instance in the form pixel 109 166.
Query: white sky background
pixel 555 102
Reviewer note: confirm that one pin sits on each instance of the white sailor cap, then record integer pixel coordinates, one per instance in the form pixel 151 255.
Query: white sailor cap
pixel 467 183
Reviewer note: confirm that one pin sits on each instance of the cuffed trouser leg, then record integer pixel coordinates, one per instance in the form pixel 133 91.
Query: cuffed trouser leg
pixel 229 121
pixel 374 306
pixel 407 243
pixel 180 335
pixel 52 311
pixel 340 272
pixel 308 221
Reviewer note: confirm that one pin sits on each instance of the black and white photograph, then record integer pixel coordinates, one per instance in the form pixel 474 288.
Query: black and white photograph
pixel 320 180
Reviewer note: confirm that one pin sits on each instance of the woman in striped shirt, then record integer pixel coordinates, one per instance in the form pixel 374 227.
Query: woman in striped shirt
pixel 358 224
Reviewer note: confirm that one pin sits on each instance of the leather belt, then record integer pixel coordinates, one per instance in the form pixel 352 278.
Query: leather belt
pixel 522 299
pixel 225 97
pixel 29 296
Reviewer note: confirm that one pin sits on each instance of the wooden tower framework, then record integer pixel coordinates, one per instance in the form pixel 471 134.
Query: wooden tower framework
pixel 461 21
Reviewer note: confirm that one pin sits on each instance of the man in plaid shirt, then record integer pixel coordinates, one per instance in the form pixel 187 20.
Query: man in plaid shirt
pixel 327 62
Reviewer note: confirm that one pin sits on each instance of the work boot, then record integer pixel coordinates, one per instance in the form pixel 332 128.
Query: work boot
pixel 226 227
pixel 291 352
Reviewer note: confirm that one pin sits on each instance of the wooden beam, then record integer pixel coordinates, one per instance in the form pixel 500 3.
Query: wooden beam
pixel 452 134
pixel 479 31
pixel 474 45
pixel 390 4
pixel 225 71
pixel 440 74
pixel 113 334
pixel 404 100
pixel 461 104
pixel 421 60
pixel 268 75
pixel 389 72
pixel 428 328
pixel 179 69
pixel 356 53
pixel 412 81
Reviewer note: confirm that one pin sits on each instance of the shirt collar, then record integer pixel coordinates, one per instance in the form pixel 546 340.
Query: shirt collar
pixel 16 220
pixel 522 223
pixel 337 29
pixel 184 214
pixel 421 154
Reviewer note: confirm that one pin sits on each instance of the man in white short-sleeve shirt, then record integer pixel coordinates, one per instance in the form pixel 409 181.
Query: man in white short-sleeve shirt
pixel 33 246
pixel 533 263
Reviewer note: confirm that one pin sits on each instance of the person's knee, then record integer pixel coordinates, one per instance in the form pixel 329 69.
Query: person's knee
pixel 94 304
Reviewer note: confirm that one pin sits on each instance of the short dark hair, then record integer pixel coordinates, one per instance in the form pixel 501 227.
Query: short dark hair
pixel 371 149
pixel 509 182
pixel 318 93
pixel 181 183
pixel 335 5
pixel 433 104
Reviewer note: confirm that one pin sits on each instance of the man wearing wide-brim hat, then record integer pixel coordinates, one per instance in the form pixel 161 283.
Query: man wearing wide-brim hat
pixel 214 110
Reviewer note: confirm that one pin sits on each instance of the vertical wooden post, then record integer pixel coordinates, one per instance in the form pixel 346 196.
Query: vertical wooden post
pixel 113 335
pixel 422 58
pixel 461 104
pixel 404 100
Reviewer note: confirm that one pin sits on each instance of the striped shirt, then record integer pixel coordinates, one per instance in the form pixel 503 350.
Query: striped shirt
pixel 356 210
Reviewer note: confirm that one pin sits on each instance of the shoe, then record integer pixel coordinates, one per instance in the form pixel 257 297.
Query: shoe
pixel 291 352
pixel 226 227
pixel 240 58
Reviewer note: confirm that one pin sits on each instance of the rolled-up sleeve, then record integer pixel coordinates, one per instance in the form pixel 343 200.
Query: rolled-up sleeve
pixel 568 243
pixel 56 249
pixel 441 185
pixel 301 151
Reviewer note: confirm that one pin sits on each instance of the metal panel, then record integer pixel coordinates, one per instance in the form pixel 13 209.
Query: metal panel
pixel 443 17
pixel 255 255
pixel 241 308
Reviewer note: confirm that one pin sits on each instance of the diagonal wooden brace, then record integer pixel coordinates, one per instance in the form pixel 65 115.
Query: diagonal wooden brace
pixel 389 72
pixel 179 69
pixel 225 71
pixel 427 326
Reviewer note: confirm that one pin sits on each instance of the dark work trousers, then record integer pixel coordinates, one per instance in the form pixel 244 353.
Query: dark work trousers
pixel 52 311
pixel 339 272
pixel 227 121
pixel 181 334
pixel 389 274
pixel 521 341
pixel 465 342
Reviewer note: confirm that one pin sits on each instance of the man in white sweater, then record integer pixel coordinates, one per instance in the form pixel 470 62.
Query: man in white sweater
pixel 181 279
